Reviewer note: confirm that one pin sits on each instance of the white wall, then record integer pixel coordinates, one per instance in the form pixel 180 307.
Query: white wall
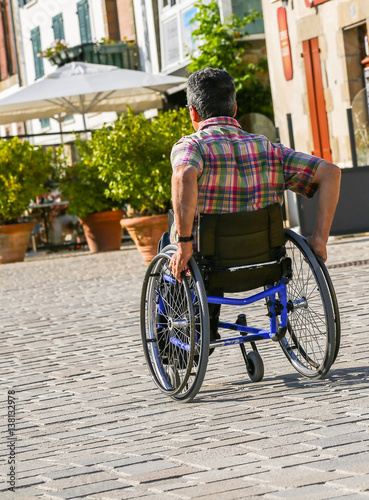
pixel 146 37
pixel 40 13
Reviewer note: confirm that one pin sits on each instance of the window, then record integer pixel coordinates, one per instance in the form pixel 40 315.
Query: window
pixel 354 42
pixel 58 27
pixel 45 122
pixel 188 26
pixel 240 9
pixel 36 46
pixel 171 42
pixel 22 3
pixel 84 21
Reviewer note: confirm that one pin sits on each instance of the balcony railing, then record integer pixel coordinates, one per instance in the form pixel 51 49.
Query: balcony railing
pixel 119 54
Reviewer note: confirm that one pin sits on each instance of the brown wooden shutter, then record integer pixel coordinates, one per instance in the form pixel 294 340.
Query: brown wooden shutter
pixel 318 114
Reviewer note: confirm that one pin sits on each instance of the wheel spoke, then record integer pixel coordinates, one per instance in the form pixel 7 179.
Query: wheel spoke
pixel 174 328
pixel 309 338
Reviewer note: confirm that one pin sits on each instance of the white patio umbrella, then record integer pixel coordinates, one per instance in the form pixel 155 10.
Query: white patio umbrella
pixel 84 88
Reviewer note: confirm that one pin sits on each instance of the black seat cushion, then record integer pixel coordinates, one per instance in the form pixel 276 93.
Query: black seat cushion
pixel 239 239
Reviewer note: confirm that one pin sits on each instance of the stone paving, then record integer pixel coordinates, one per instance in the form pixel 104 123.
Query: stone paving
pixel 91 424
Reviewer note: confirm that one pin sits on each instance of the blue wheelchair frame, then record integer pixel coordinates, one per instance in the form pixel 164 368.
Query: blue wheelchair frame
pixel 253 334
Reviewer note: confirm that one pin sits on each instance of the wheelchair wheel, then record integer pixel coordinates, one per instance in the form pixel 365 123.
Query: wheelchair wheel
pixel 310 341
pixel 175 327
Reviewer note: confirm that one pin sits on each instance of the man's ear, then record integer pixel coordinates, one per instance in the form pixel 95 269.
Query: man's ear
pixel 195 118
pixel 235 110
pixel 194 115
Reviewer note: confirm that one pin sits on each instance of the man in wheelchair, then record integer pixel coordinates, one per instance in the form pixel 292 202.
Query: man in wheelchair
pixel 222 169
pixel 227 189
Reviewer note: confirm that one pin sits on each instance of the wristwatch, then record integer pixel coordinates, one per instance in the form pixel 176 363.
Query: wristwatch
pixel 183 239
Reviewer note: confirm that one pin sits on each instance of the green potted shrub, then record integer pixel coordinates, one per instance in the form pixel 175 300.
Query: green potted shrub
pixel 24 171
pixel 133 159
pixel 98 213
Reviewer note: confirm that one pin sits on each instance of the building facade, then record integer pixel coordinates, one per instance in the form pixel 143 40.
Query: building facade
pixel 315 52
pixel 164 31
pixel 38 25
pixel 10 75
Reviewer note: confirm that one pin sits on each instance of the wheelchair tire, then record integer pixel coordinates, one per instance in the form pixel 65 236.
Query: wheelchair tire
pixel 255 366
pixel 310 343
pixel 175 327
pixel 336 311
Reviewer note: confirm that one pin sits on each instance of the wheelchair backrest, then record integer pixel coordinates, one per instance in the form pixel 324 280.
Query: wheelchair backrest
pixel 241 238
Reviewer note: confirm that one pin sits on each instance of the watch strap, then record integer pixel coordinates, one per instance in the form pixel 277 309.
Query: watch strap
pixel 184 239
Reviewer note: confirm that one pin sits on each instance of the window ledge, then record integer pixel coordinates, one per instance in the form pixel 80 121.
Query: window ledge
pixel 254 36
pixel 29 4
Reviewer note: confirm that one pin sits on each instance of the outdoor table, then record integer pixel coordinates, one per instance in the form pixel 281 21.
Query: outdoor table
pixel 45 208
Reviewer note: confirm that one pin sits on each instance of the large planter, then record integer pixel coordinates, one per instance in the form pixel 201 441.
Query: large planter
pixel 14 240
pixel 103 230
pixel 56 59
pixel 146 233
pixel 116 48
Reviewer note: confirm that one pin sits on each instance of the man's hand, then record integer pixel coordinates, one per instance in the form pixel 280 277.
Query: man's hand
pixel 318 246
pixel 180 259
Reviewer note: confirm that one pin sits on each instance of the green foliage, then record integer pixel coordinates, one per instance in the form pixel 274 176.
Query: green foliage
pixel 222 47
pixel 81 184
pixel 56 47
pixel 24 171
pixel 133 158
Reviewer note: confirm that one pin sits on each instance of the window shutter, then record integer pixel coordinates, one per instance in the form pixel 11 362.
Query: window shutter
pixel 36 45
pixel 58 27
pixel 84 21
pixel 22 3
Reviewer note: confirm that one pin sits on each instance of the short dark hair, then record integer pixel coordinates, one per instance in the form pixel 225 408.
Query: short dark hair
pixel 212 93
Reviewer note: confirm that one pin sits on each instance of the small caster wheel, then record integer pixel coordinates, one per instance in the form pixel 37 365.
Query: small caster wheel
pixel 255 366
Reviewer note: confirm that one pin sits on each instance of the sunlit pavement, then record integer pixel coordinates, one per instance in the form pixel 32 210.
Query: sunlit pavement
pixel 89 422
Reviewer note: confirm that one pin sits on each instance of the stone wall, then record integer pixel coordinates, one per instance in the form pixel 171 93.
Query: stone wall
pixel 338 58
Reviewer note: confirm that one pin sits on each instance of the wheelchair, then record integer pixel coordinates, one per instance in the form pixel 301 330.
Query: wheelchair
pixel 238 252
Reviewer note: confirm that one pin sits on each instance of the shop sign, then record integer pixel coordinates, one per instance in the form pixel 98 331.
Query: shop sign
pixel 285 43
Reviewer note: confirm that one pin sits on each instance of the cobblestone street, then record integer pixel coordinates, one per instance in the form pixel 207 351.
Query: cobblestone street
pixel 91 424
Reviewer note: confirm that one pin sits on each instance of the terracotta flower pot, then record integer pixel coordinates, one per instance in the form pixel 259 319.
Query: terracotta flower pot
pixel 146 233
pixel 103 230
pixel 14 240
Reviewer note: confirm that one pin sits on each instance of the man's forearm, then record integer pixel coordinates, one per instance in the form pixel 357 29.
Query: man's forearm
pixel 328 178
pixel 328 191
pixel 184 197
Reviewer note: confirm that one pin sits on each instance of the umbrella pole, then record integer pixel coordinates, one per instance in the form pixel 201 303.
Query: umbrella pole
pixel 84 122
pixel 61 133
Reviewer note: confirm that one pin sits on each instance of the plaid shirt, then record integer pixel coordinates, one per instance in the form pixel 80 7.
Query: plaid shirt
pixel 240 172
